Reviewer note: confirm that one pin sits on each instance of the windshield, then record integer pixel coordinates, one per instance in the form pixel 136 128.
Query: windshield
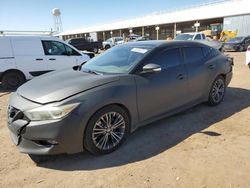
pixel 117 60
pixel 236 39
pixel 184 37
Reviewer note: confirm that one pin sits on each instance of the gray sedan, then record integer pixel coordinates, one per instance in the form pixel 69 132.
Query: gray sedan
pixel 95 106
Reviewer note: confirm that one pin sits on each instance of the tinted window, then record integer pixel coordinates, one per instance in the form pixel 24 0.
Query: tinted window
pixel 203 36
pixel 58 48
pixel 197 37
pixel 192 54
pixel 168 58
pixel 54 48
pixel 184 37
pixel 210 52
pixel 71 51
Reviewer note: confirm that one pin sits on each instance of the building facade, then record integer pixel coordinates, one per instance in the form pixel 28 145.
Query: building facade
pixel 232 14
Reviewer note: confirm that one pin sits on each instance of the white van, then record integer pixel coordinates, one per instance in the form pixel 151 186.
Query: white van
pixel 24 57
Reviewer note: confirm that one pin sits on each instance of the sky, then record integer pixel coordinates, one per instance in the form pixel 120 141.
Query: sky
pixel 36 15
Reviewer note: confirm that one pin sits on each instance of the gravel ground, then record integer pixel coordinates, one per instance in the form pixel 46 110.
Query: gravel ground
pixel 201 147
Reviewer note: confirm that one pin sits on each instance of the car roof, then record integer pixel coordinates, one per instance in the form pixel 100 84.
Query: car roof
pixel 193 33
pixel 164 43
pixel 31 37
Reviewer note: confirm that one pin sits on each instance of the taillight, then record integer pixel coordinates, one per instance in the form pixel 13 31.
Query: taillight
pixel 248 49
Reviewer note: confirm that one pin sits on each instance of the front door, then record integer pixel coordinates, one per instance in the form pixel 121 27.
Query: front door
pixel 161 92
pixel 59 56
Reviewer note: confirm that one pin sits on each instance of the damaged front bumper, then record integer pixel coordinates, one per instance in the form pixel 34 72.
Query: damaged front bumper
pixel 43 137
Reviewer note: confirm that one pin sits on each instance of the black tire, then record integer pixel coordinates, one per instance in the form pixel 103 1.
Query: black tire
pixel 249 65
pixel 107 47
pixel 95 50
pixel 241 49
pixel 12 80
pixel 94 140
pixel 217 91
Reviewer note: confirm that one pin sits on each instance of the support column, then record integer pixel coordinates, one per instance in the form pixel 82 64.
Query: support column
pixel 157 28
pixel 103 36
pixel 142 31
pixel 120 32
pixel 174 30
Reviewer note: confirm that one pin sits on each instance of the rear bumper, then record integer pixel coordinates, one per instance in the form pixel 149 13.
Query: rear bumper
pixel 229 77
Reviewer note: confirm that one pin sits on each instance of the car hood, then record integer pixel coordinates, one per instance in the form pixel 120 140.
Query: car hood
pixel 58 85
pixel 232 43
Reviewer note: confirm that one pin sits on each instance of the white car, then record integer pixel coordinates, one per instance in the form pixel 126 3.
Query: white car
pixel 112 42
pixel 248 56
pixel 24 57
pixel 200 37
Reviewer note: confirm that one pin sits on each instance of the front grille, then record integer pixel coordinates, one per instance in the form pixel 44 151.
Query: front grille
pixel 14 114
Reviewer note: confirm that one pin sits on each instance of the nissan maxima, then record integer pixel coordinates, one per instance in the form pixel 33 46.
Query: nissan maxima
pixel 95 106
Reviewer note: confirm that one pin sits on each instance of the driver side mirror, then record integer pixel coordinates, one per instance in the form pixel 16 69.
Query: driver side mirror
pixel 151 68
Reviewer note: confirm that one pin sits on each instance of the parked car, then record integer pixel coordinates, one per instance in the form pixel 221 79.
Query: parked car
pixel 248 56
pixel 200 37
pixel 24 57
pixel 112 42
pixel 238 44
pixel 84 44
pixel 97 105
pixel 190 36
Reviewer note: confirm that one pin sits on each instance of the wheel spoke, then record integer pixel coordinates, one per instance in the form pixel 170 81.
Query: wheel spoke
pixel 108 131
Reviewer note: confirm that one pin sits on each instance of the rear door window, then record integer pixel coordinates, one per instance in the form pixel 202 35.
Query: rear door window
pixel 192 54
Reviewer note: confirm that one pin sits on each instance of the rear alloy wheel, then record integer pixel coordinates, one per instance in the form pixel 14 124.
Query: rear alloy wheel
pixel 217 91
pixel 12 80
pixel 95 50
pixel 106 130
pixel 241 49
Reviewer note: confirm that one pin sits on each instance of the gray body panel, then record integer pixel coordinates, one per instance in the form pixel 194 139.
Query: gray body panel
pixel 146 97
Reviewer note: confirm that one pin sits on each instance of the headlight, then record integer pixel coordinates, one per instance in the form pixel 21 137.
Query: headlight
pixel 50 112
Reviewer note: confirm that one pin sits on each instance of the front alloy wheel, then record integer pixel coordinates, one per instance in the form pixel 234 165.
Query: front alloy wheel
pixel 106 130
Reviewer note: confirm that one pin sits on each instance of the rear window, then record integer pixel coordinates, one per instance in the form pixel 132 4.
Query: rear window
pixel 210 52
pixel 192 54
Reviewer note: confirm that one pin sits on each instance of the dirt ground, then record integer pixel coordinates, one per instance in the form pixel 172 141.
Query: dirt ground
pixel 201 147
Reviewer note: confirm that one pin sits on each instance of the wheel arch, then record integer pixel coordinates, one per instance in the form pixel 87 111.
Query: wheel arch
pixel 108 105
pixel 13 70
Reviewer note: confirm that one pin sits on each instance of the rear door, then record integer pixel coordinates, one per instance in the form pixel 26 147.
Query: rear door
pixel 59 55
pixel 29 56
pixel 199 71
pixel 160 92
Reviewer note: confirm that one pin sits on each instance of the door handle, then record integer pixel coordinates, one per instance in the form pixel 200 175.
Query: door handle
pixel 52 59
pixel 39 59
pixel 180 77
pixel 211 66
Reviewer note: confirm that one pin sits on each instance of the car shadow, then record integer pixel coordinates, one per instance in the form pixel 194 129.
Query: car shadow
pixel 157 137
